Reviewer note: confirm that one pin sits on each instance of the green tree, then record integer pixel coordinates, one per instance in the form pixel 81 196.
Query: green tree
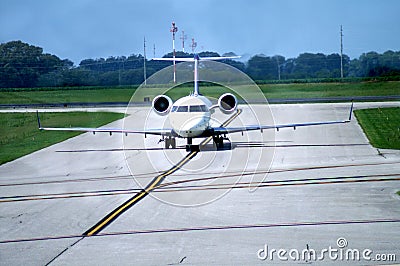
pixel 261 67
pixel 22 64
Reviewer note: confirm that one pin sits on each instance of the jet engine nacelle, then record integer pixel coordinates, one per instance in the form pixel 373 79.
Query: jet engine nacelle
pixel 227 103
pixel 162 104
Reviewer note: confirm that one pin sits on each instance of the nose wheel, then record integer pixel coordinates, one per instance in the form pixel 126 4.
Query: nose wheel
pixel 190 147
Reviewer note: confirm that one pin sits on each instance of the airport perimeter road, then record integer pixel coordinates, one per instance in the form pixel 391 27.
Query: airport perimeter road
pixel 271 198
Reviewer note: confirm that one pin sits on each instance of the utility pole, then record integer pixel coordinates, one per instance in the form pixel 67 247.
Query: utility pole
pixel 154 50
pixel 183 38
pixel 144 60
pixel 279 67
pixel 194 45
pixel 174 29
pixel 119 74
pixel 341 52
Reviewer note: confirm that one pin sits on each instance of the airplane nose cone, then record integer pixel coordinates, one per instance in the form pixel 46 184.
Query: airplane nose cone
pixel 192 124
pixel 192 127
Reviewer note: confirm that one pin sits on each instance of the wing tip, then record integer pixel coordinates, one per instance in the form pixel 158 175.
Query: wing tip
pixel 351 109
pixel 38 120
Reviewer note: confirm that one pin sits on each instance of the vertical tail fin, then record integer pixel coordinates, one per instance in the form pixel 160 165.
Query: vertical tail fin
pixel 196 60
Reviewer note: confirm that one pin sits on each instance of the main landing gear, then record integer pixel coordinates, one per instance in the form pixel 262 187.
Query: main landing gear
pixel 170 142
pixel 219 143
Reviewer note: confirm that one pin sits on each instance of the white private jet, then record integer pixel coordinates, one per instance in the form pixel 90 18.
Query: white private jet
pixel 190 116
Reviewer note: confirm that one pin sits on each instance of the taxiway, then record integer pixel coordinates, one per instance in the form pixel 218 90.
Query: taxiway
pixel 287 189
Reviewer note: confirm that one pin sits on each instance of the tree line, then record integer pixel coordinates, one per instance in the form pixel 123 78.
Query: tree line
pixel 24 65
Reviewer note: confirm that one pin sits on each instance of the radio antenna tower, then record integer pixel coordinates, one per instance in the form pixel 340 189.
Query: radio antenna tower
pixel 183 38
pixel 174 29
pixel 341 51
pixel 194 45
pixel 144 60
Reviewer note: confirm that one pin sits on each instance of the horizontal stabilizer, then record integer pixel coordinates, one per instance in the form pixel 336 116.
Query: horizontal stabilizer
pixel 180 59
pixel 189 59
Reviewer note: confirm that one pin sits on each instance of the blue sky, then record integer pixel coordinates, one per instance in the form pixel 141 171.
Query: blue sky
pixel 80 29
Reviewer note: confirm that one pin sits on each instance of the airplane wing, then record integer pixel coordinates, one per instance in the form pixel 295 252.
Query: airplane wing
pixel 156 131
pixel 215 130
pixel 227 130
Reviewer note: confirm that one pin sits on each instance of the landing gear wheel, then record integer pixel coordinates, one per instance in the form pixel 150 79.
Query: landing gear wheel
pixel 170 142
pixel 219 143
pixel 167 143
pixel 173 143
pixel 192 148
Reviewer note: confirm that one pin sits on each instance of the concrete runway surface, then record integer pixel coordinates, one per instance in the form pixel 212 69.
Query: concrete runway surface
pixel 274 196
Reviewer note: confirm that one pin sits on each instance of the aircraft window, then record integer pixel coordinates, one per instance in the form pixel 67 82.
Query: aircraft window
pixel 183 108
pixel 174 108
pixel 203 108
pixel 195 108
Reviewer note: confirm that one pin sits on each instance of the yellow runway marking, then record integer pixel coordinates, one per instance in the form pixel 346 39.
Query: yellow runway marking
pixel 118 211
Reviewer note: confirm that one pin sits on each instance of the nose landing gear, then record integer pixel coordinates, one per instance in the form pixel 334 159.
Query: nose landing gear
pixel 190 147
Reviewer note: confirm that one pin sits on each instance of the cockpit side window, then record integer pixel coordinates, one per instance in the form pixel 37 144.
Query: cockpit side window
pixel 174 108
pixel 204 108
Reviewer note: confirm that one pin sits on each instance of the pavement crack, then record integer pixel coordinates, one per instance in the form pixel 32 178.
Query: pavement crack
pixel 64 250
pixel 182 260
pixel 19 215
pixel 380 153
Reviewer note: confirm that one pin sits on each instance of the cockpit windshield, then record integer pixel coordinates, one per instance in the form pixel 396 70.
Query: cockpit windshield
pixel 195 108
pixel 190 108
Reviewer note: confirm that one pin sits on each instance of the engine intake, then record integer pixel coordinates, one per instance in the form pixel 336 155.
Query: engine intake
pixel 162 104
pixel 227 103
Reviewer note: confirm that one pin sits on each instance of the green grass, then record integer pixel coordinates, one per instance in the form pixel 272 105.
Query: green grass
pixel 311 90
pixel 271 91
pixel 381 125
pixel 19 133
pixel 66 96
pixel 398 193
